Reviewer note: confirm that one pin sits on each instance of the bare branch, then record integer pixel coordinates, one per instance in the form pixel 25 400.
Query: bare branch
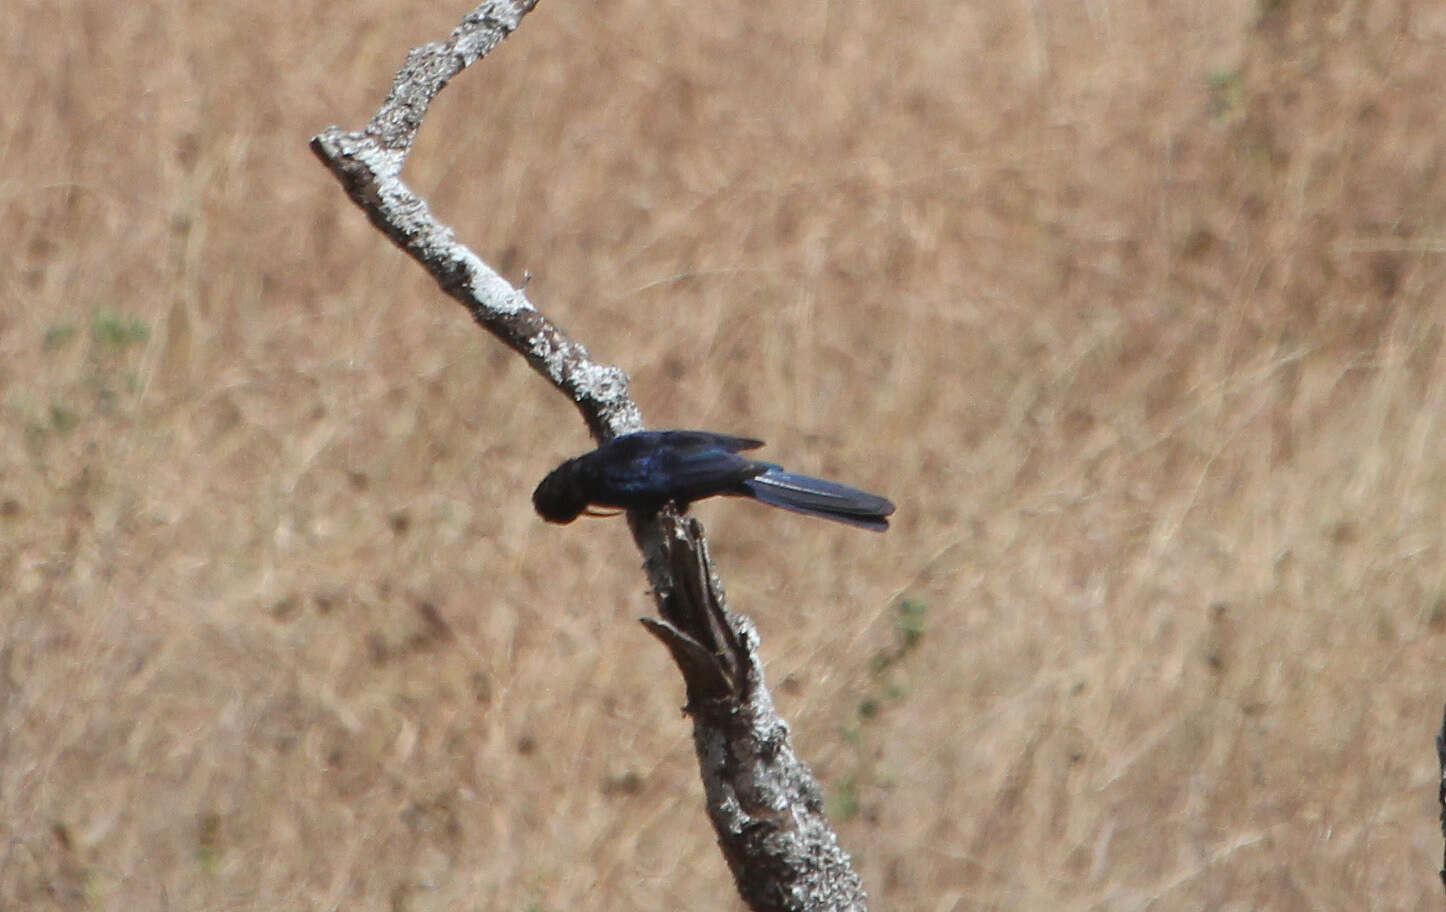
pixel 764 803
pixel 369 165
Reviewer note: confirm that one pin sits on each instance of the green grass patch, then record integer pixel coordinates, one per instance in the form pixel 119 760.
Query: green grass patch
pixel 118 331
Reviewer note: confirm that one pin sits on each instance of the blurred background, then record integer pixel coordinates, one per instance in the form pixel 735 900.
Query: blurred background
pixel 1134 308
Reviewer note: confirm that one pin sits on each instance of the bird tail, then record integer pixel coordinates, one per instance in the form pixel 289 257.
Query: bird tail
pixel 816 497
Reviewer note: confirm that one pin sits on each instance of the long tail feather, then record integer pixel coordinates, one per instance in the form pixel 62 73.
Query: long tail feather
pixel 816 497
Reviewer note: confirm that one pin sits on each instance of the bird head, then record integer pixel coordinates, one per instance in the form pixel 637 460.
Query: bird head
pixel 559 498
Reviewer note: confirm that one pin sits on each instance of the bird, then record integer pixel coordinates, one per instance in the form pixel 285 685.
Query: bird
pixel 646 469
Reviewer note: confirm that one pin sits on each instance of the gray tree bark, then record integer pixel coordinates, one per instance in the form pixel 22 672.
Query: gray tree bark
pixel 764 803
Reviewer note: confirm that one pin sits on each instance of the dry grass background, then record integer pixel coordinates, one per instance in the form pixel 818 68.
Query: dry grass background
pixel 1136 310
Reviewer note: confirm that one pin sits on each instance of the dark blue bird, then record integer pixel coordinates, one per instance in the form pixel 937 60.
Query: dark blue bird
pixel 644 470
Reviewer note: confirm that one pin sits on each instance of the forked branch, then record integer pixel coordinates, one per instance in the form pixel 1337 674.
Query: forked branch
pixel 764 802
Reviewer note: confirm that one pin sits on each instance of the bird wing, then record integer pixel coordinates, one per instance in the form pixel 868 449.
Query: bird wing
pixel 652 467
pixel 704 439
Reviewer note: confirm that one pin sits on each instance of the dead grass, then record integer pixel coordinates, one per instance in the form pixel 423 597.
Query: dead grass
pixel 1135 310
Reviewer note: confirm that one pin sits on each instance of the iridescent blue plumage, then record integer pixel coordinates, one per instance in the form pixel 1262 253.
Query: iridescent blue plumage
pixel 644 470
